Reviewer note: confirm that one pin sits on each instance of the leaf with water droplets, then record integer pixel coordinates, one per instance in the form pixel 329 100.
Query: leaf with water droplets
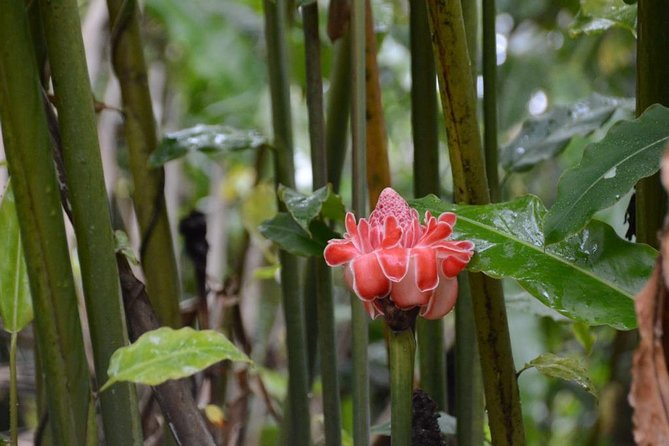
pixel 596 16
pixel 567 369
pixel 589 277
pixel 545 136
pixel 630 151
pixel 164 354
pixel 210 139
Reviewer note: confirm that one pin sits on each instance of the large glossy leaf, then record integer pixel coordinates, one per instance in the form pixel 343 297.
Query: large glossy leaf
pixel 210 139
pixel 567 369
pixel 596 16
pixel 15 304
pixel 305 208
pixel 290 236
pixel 630 151
pixel 164 354
pixel 543 137
pixel 590 277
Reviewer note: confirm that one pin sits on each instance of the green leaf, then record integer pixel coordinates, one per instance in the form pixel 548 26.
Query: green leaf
pixel 590 277
pixel 15 305
pixel 290 236
pixel 210 139
pixel 584 336
pixel 567 369
pixel 596 16
pixel 630 151
pixel 306 208
pixel 123 246
pixel 544 137
pixel 164 354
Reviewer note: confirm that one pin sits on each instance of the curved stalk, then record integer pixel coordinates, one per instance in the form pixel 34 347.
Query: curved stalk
pixel 156 251
pixel 30 162
pixel 83 166
pixel 402 351
pixel 469 179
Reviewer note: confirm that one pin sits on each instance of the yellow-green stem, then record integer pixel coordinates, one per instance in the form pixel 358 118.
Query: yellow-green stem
pixel 13 395
pixel 402 351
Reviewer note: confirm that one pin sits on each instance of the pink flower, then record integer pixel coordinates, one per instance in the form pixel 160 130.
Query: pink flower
pixel 393 255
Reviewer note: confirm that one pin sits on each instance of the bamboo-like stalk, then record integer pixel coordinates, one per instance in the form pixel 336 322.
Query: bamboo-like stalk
pixel 83 165
pixel 30 162
pixel 490 97
pixel 402 351
pixel 378 166
pixel 431 354
pixel 293 305
pixel 359 318
pixel 339 104
pixel 324 298
pixel 469 179
pixel 156 251
pixel 13 392
pixel 652 87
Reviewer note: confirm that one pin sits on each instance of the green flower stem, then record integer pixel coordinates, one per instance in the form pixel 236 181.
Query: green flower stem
pixel 298 432
pixel 83 165
pixel 359 317
pixel 402 350
pixel 30 162
pixel 469 178
pixel 156 251
pixel 13 394
pixel 651 88
pixel 323 278
pixel 490 97
pixel 432 355
pixel 468 383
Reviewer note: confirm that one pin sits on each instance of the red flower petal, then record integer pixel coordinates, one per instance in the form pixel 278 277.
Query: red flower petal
pixel 405 293
pixel 394 262
pixel 369 281
pixel 442 300
pixel 452 265
pixel 435 232
pixel 425 265
pixel 338 252
pixel 372 308
pixel 449 218
pixel 392 233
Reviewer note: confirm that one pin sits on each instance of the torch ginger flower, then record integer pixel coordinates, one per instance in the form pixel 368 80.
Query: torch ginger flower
pixel 393 255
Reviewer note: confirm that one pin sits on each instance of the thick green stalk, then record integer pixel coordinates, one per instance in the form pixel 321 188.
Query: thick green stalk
pixel 83 165
pixel 13 395
pixel 359 317
pixel 30 162
pixel 293 305
pixel 459 103
pixel 402 351
pixel 339 104
pixel 469 386
pixel 652 87
pixel 490 97
pixel 324 298
pixel 156 252
pixel 431 354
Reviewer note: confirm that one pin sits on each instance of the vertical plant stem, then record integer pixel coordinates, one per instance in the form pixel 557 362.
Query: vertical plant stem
pixel 339 104
pixel 359 318
pixel 378 166
pixel 490 97
pixel 652 87
pixel 469 386
pixel 293 306
pixel 81 156
pixel 156 251
pixel 30 162
pixel 324 299
pixel 13 394
pixel 469 179
pixel 431 354
pixel 402 351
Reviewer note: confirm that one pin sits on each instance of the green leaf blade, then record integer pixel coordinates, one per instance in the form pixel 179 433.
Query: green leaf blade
pixel 596 16
pixel 165 353
pixel 15 302
pixel 590 277
pixel 567 369
pixel 306 208
pixel 210 139
pixel 290 236
pixel 630 151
